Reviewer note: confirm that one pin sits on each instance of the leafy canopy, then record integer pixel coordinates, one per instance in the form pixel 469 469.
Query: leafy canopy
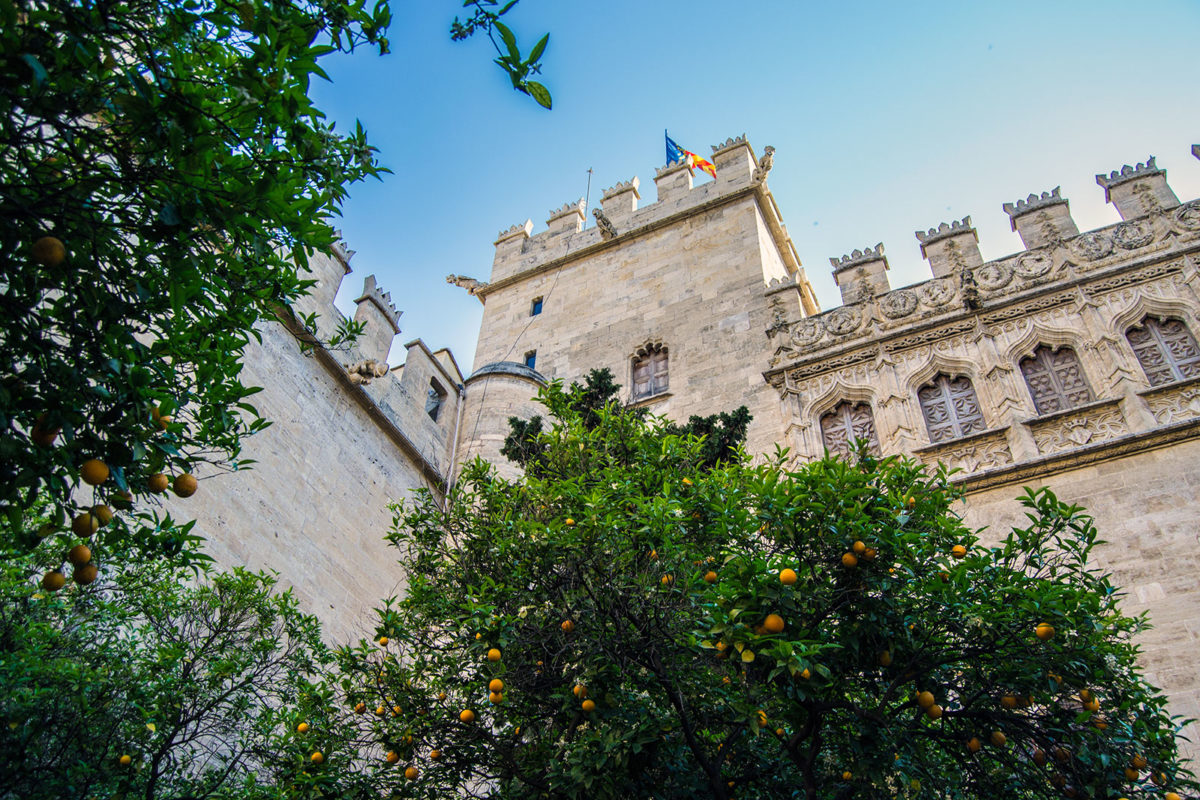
pixel 630 619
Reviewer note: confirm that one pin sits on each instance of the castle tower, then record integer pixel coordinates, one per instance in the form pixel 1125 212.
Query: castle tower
pixel 676 298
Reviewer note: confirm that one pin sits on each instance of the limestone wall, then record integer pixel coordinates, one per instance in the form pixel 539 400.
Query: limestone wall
pixel 494 393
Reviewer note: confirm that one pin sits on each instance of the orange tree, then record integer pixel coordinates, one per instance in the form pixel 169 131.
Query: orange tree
pixel 633 619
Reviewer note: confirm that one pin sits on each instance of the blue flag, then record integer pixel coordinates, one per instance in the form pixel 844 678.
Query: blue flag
pixel 677 153
pixel 674 151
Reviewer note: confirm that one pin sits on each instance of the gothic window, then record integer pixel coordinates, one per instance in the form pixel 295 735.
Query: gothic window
pixel 650 371
pixel 1166 350
pixel 950 407
pixel 535 307
pixel 846 424
pixel 531 358
pixel 1055 379
pixel 435 399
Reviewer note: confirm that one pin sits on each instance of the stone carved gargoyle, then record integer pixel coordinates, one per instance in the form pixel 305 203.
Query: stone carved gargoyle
pixel 470 284
pixel 764 164
pixel 607 230
pixel 364 372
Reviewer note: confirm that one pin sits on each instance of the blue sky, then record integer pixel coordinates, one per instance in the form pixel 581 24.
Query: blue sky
pixel 886 118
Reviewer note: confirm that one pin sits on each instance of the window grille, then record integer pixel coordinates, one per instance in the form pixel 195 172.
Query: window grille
pixel 1166 350
pixel 846 424
pixel 1055 379
pixel 650 372
pixel 950 407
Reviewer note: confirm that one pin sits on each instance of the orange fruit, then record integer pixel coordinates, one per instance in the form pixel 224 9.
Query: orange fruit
pixel 710 577
pixel 496 685
pixel 958 551
pixel 1044 631
pixel 383 640
pixel 85 524
pixel 396 711
pixel 1131 774
pixel 379 711
pixel 973 744
pixel 788 577
pixel 53 581
pixel 870 554
pixel 1039 758
pixel 925 699
pixel 435 754
pixel 666 580
pixel 580 690
pixel 859 548
pixel 1092 705
pixel 302 727
pixel 1171 796
pixel 1062 754
pixel 125 760
pixel 93 472
pixel 392 757
pixel 1085 695
pixel 441 696
pixel 1008 701
pixel 495 698
pixel 654 554
pixel 49 251
pixel 998 738
pixel 360 708
pixel 934 711
pixel 316 757
pixel 588 706
pixel 79 555
pixel 847 775
pixel 1139 762
pixel 805 673
pixel 186 484
pixel 158 483
pixel 773 623
pixel 493 654
pixel 911 501
pixel 885 659
pixel 103 514
pixel 411 773
pixel 568 626
pixel 570 521
pixel 849 560
pixel 85 574
pixel 687 481
pixel 41 435
pixel 467 715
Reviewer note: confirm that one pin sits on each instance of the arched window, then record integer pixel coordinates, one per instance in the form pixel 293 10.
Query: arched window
pixel 650 371
pixel 1166 350
pixel 846 424
pixel 950 407
pixel 1055 379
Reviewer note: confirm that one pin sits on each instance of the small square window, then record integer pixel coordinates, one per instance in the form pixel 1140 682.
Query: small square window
pixel 536 307
pixel 530 358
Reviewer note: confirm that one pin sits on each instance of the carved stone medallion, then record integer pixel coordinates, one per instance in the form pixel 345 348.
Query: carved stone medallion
pixel 843 320
pixel 1092 246
pixel 1187 216
pixel 899 303
pixel 937 292
pixel 807 331
pixel 992 276
pixel 1033 265
pixel 1132 235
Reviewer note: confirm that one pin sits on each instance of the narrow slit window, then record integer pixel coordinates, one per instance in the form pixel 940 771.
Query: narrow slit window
pixel 531 358
pixel 435 399
pixel 535 307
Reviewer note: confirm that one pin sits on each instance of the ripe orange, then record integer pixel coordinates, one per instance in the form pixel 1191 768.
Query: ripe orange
pixel 49 251
pixel 1171 796
pixel 1092 705
pixel 379 711
pixel 383 640
pixel 847 775
pixel 849 560
pixel 316 757
pixel 41 435
pixel 85 574
pixel 85 524
pixel 158 483
pixel 588 706
pixel 493 654
pixel 411 773
pixel 568 626
pixel 926 699
pixel 103 514
pixel 496 685
pixel 762 718
pixel 934 711
pixel 186 485
pixel 125 760
pixel 687 481
pixel 570 521
pixel 859 548
pixel 773 623
pixel 710 577
pixel 441 696
pixel 467 716
pixel 360 708
pixel 435 754
pixel 998 738
pixel 870 554
pixel 1131 774
pixel 93 472
pixel 396 711
pixel 805 673
pixel 79 554
pixel 1044 631
pixel 53 581
pixel 495 698
pixel 392 757
pixel 302 727
pixel 580 690
pixel 1039 758
pixel 1085 695
pixel 1008 701
pixel 974 744
pixel 911 501
pixel 666 580
pixel 1139 762
pixel 787 577
pixel 958 551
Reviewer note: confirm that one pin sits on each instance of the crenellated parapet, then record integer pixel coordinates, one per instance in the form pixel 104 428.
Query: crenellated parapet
pixel 951 247
pixel 1138 190
pixel 862 274
pixel 380 318
pixel 567 219
pixel 1042 219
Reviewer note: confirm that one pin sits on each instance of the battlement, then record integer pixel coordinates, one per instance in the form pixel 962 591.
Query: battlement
pixel 1033 203
pixel 1128 173
pixel 858 257
pixel 520 251
pixel 1138 190
pixel 944 231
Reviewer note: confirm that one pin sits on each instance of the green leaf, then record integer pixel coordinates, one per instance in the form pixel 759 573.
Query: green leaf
pixel 539 93
pixel 538 49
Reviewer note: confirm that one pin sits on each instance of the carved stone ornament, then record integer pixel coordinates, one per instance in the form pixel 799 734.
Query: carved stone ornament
pixel 807 331
pixel 1033 265
pixel 1175 404
pixel 1187 216
pixel 1092 246
pixel 844 320
pixel 607 230
pixel 1132 235
pixel 1067 433
pixel 979 454
pixel 994 275
pixel 362 372
pixel 937 292
pixel 899 303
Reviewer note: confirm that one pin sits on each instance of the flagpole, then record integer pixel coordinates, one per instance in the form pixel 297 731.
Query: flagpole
pixel 587 196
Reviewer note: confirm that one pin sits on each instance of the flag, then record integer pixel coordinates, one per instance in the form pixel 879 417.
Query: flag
pixel 677 153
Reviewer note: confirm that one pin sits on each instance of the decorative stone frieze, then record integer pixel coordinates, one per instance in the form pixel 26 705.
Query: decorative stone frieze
pixel 1174 402
pixel 1077 427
